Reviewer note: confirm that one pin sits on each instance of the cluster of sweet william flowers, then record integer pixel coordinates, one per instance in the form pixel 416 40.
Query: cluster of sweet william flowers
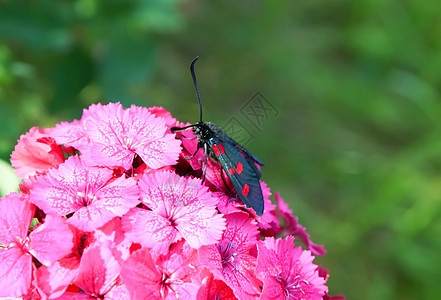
pixel 110 209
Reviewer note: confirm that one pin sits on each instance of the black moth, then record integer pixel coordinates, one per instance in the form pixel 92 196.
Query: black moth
pixel 237 162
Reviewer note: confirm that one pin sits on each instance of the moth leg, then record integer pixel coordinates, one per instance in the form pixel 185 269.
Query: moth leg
pixel 222 176
pixel 174 129
pixel 205 168
pixel 188 138
pixel 187 158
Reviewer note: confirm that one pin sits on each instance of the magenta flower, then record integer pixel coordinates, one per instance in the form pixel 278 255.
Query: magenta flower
pixel 178 207
pixel 116 135
pixel 215 289
pixel 35 153
pixel 167 276
pixel 91 194
pixel 287 272
pixel 231 259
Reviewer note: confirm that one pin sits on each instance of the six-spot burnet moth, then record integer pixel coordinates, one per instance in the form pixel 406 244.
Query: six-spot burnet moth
pixel 237 162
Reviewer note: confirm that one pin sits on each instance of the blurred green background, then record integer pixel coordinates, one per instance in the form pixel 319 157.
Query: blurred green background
pixel 356 145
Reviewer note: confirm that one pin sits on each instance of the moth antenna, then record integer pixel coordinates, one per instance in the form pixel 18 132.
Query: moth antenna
pixel 193 75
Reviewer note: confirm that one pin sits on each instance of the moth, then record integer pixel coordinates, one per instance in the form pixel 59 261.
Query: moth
pixel 237 162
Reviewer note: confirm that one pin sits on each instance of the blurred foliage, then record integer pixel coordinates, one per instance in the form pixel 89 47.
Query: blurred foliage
pixel 355 149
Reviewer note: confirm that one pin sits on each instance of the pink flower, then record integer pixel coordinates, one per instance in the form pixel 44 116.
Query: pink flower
pixel 35 153
pixel 54 279
pixel 231 259
pixel 178 208
pixel 117 135
pixel 86 192
pixel 48 243
pixel 16 262
pixel 292 227
pixel 167 276
pixel 287 272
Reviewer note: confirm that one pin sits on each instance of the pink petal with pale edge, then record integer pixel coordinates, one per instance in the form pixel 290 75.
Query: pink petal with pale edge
pixel 35 152
pixel 54 280
pixel 112 231
pixel 98 270
pixel 51 241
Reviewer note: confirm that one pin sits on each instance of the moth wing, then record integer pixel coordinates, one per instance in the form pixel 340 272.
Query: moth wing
pixel 243 149
pixel 242 172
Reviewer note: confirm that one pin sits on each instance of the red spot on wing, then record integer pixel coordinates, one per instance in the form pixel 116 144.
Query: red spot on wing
pixel 231 171
pixel 216 150
pixel 221 148
pixel 245 189
pixel 242 154
pixel 239 168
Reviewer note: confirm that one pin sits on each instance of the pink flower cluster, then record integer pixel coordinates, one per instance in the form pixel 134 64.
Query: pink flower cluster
pixel 110 209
